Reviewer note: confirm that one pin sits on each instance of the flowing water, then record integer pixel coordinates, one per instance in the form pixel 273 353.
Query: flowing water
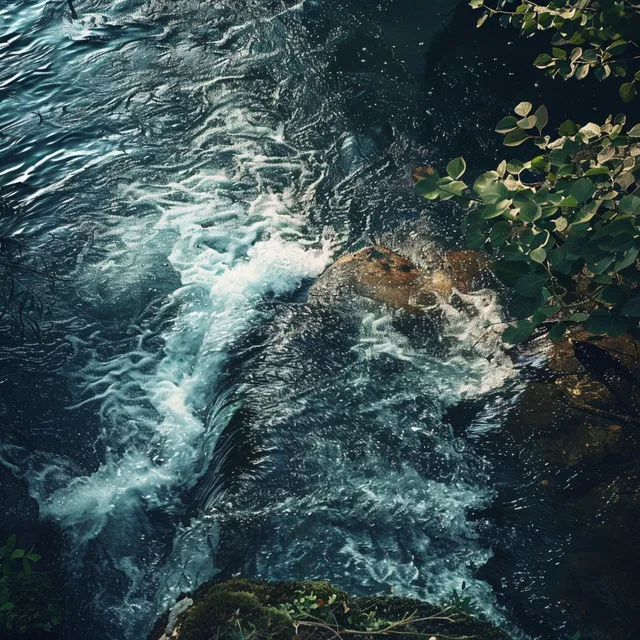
pixel 185 169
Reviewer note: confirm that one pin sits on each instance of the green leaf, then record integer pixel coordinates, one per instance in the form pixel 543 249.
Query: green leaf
pixel 602 72
pixel 597 171
pixel 509 272
pixel 426 187
pixel 515 138
pixel 485 181
pixel 523 109
pixel 617 47
pixel 630 204
pixel 18 553
pixel 538 255
pixel 549 311
pixel 515 167
pixel 500 232
pixel 628 91
pixel 530 285
pixel 602 264
pixel 543 60
pixel 474 240
pixel 456 168
pixel 634 132
pixel 629 258
pixel 605 322
pixel 26 567
pixel 495 192
pixel 632 307
pixel 568 128
pixel 561 223
pixel 582 189
pixel 578 317
pixel 542 117
pixel 566 170
pixel 507 124
pixel 7 606
pixel 11 542
pixel 557 331
pixel 527 123
pixel 518 332
pixel 529 211
pixel 541 163
pixel 569 202
pixel 495 209
pixel 455 187
pixel 613 295
pixel 522 308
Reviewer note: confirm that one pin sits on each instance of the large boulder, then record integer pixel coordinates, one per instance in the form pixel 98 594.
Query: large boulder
pixel 382 275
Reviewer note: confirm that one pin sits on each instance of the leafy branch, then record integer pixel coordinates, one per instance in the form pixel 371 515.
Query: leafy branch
pixel 588 36
pixel 562 228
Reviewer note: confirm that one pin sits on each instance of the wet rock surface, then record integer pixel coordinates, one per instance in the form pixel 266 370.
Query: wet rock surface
pixel 382 275
pixel 579 415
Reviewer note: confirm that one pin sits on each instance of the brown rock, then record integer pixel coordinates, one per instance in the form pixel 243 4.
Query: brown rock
pixel 379 274
pixel 467 270
pixel 387 277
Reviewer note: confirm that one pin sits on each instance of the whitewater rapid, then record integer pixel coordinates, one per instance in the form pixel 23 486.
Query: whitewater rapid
pixel 205 175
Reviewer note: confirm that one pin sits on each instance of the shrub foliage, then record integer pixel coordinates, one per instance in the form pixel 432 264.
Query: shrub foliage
pixel 588 36
pixel 562 228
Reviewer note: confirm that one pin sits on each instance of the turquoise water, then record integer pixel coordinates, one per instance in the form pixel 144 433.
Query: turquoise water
pixel 185 170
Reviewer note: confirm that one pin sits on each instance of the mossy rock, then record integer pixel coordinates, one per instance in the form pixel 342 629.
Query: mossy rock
pixel 236 613
pixel 241 609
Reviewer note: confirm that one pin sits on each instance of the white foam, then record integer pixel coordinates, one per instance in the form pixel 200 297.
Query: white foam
pixel 215 223
pixel 478 351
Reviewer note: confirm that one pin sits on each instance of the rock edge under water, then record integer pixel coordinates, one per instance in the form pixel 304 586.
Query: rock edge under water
pixel 241 609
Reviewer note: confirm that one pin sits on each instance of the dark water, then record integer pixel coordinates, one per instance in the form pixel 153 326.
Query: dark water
pixel 184 170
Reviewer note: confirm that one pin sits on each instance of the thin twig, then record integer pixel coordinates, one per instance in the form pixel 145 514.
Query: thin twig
pixel 587 408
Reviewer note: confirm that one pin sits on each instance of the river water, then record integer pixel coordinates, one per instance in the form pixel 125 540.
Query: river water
pixel 184 170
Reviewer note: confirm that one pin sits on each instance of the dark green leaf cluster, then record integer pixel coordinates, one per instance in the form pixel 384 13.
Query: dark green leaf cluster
pixel 28 600
pixel 563 228
pixel 598 36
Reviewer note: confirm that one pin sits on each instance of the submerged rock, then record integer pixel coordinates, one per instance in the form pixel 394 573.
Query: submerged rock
pixel 563 427
pixel 301 610
pixel 587 406
pixel 382 275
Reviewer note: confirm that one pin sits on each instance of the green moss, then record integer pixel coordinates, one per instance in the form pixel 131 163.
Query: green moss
pixel 227 613
pixel 393 608
pixel 254 610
